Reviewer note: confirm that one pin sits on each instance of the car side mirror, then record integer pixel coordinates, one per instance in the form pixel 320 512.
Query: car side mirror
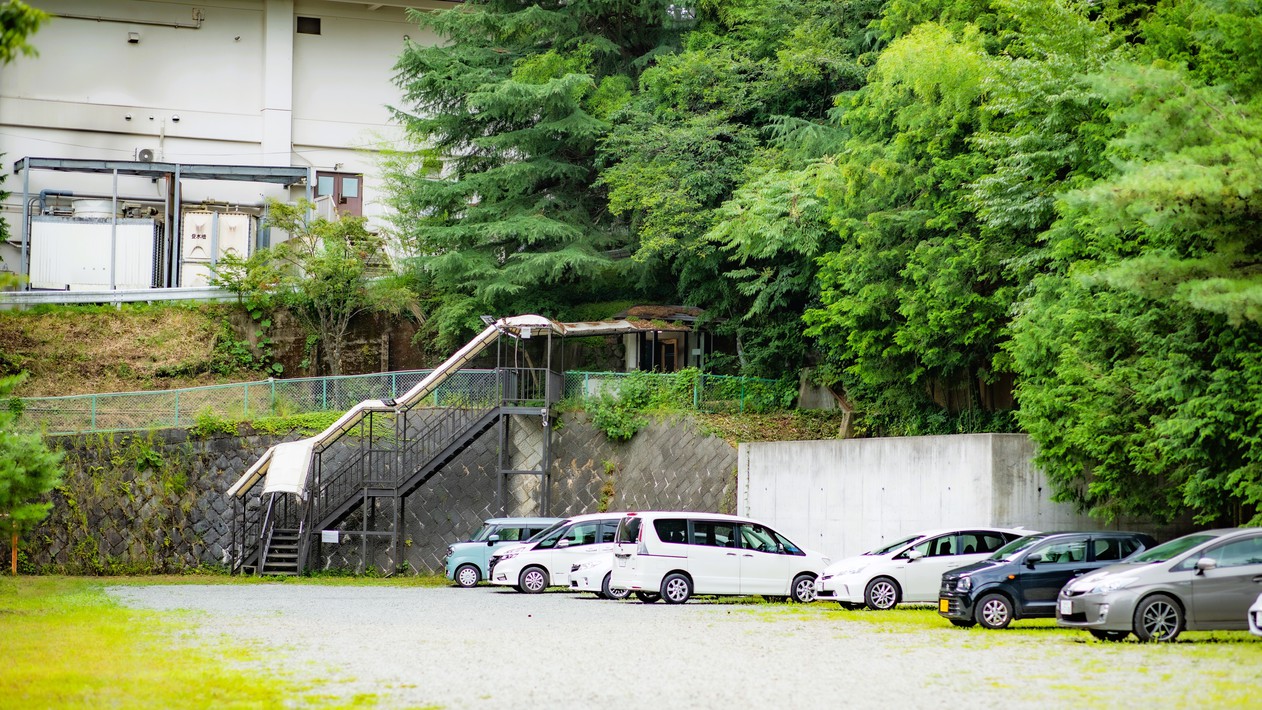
pixel 1206 564
pixel 563 544
pixel 492 540
pixel 1030 560
pixel 913 555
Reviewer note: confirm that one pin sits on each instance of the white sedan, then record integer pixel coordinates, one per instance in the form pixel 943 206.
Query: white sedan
pixel 593 575
pixel 547 562
pixel 909 570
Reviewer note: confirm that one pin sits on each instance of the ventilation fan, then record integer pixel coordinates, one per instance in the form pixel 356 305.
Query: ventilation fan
pixel 144 155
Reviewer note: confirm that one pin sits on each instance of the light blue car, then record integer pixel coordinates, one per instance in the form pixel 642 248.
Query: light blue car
pixel 467 561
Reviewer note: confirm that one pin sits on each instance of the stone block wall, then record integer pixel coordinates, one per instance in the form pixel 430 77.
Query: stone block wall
pixel 154 501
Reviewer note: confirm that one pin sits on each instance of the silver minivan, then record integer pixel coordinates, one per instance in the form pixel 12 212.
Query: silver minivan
pixel 1202 581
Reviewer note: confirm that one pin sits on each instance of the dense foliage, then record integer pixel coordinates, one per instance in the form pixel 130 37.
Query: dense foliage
pixel 28 471
pixel 965 215
pixel 325 274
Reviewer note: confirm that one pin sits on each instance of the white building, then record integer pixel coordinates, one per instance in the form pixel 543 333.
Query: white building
pixel 147 113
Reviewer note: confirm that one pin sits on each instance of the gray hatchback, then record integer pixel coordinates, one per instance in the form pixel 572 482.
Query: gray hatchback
pixel 1202 581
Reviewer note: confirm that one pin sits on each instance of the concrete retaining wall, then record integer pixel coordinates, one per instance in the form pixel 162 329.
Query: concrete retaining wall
pixel 845 497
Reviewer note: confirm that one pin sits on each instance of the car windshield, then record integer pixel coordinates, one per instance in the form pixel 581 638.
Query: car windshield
pixel 894 546
pixel 1015 547
pixel 546 531
pixel 1171 549
pixel 482 534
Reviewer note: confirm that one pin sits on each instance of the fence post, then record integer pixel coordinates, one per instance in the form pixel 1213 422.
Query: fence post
pixel 324 393
pixel 245 409
pixel 742 395
pixel 93 412
pixel 271 406
pixel 394 385
pixel 696 391
pixel 177 408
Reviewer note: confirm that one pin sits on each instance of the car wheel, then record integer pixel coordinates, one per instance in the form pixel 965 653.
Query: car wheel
pixel 1158 618
pixel 849 606
pixel 963 623
pixel 648 597
pixel 467 576
pixel 533 580
pixel 882 593
pixel 994 611
pixel 676 588
pixel 1109 635
pixel 612 593
pixel 803 589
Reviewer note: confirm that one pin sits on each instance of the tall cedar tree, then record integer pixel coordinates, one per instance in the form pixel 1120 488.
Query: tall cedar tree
pixel 514 102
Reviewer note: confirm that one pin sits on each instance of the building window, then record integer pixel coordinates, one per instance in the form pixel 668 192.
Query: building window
pixel 308 25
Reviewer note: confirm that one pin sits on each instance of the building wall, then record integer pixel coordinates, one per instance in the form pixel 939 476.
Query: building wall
pixel 246 88
pixel 845 497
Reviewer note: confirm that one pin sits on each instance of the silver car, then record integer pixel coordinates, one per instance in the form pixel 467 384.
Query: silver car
pixel 1202 581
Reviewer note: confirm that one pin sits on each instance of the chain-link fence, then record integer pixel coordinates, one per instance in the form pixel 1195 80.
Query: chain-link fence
pixel 130 411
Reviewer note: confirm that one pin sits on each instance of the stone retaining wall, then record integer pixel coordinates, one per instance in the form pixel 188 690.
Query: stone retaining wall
pixel 154 501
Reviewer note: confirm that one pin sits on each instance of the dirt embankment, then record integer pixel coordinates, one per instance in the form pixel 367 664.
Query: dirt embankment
pixel 105 349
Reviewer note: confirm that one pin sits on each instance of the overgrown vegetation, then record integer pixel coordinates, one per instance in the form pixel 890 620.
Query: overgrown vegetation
pixel 1052 198
pixel 28 471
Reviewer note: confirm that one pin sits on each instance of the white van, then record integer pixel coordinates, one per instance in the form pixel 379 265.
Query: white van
pixel 679 554
pixel 547 562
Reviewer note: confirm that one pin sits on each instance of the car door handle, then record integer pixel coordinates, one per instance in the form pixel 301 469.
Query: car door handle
pixel 1258 578
pixel 731 554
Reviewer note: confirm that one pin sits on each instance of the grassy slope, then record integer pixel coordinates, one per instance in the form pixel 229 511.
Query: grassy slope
pixel 82 350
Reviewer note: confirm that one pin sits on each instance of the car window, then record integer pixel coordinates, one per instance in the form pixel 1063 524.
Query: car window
pixel 482 534
pixel 545 532
pixel 1237 553
pixel 608 530
pixel 629 529
pixel 1172 549
pixel 671 529
pixel 713 534
pixel 1014 548
pixel 1109 549
pixel 974 541
pixel 786 545
pixel 756 537
pixel 940 546
pixel 508 533
pixel 548 540
pixel 583 533
pixel 893 546
pixel 1062 551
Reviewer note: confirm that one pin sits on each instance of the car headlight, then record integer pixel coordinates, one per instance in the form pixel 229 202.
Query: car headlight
pixel 586 565
pixel 507 555
pixel 449 551
pixel 964 584
pixel 1111 583
pixel 845 571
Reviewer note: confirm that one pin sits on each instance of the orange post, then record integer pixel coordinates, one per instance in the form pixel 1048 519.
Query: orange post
pixel 14 553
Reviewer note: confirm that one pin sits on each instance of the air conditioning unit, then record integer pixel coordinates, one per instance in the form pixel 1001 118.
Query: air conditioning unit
pixel 144 155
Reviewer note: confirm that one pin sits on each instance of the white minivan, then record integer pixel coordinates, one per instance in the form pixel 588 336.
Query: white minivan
pixel 679 554
pixel 547 562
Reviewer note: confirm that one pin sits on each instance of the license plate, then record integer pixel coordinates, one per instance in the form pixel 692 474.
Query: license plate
pixel 1066 607
pixel 944 605
pixel 622 562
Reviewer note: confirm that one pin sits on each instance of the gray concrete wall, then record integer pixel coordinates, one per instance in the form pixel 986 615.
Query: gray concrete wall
pixel 845 497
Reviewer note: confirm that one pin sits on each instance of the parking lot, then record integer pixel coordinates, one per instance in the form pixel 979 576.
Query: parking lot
pixel 495 648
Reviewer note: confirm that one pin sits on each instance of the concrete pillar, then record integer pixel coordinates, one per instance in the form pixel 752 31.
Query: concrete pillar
pixel 278 82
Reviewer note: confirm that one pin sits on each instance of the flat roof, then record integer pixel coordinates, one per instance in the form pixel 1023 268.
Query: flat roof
pixel 278 174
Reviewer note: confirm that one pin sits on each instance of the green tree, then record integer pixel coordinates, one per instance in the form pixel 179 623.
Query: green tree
pixel 18 21
pixel 1137 351
pixel 326 274
pixel 514 102
pixel 28 471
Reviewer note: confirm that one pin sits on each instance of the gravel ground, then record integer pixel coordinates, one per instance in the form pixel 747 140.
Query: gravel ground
pixel 491 648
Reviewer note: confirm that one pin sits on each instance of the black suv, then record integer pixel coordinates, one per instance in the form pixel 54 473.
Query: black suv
pixel 1021 579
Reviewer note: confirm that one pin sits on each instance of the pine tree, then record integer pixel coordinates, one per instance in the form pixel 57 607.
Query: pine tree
pixel 514 103
pixel 28 470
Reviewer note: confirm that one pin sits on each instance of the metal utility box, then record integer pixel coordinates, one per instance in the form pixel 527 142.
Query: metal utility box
pixel 78 254
pixel 206 237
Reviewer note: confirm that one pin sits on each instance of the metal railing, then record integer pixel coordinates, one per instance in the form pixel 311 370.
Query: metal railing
pixel 132 411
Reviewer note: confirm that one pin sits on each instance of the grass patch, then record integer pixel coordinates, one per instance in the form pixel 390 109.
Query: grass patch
pixel 66 644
